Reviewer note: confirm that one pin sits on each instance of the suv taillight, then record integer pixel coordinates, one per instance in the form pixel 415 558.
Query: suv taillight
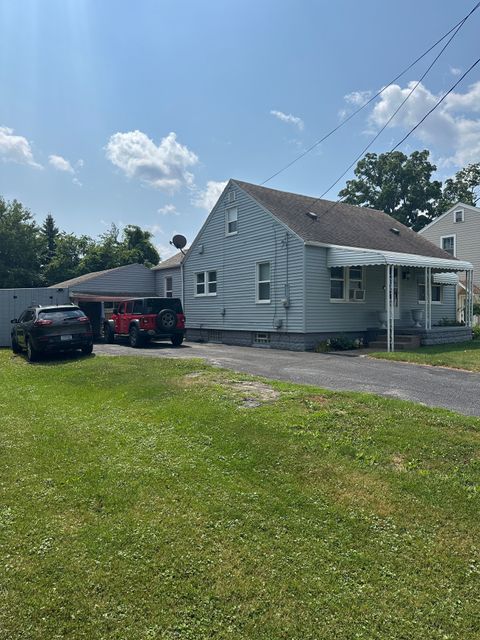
pixel 83 319
pixel 42 323
pixel 180 321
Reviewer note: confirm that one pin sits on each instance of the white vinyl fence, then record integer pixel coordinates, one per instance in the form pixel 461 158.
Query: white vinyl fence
pixel 14 301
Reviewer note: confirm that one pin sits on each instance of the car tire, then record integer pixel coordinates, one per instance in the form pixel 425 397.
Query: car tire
pixel 134 337
pixel 108 334
pixel 177 340
pixel 15 346
pixel 32 353
pixel 87 351
pixel 166 320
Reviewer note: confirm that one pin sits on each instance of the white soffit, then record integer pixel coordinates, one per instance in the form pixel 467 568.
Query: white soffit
pixel 339 257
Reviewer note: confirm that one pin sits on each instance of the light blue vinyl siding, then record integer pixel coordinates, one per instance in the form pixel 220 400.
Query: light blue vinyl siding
pixel 132 279
pixel 175 274
pixel 260 238
pixel 323 315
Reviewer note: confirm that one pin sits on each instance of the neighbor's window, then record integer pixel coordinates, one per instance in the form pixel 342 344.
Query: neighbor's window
pixel 232 221
pixel 263 282
pixel 169 287
pixel 436 292
pixel 458 216
pixel 448 244
pixel 355 283
pixel 206 283
pixel 337 283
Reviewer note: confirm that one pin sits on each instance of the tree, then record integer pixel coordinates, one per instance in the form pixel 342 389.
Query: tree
pixel 398 184
pixel 49 232
pixel 463 187
pixel 65 264
pixel 20 246
pixel 138 246
pixel 103 254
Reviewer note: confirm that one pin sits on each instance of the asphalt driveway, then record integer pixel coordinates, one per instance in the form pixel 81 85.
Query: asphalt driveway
pixel 433 386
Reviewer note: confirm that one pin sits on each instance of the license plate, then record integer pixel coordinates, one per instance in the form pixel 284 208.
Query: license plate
pixel 62 338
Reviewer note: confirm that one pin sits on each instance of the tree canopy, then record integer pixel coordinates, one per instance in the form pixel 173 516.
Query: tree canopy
pixel 403 187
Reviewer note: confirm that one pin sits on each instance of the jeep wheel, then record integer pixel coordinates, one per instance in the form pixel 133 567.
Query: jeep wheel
pixel 177 340
pixel 166 320
pixel 134 337
pixel 32 353
pixel 108 334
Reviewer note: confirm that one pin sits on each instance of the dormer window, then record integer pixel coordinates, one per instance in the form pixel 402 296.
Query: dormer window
pixel 232 196
pixel 458 215
pixel 231 221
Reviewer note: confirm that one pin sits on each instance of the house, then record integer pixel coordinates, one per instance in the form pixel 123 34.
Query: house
pixel 457 231
pixel 272 268
pixel 168 277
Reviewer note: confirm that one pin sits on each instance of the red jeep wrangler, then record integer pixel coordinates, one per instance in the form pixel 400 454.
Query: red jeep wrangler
pixel 143 319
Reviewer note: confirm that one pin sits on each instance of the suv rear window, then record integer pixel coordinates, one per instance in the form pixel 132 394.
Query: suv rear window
pixel 155 305
pixel 60 314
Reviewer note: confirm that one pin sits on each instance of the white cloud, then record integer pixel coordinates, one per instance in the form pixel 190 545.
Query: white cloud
pixel 77 182
pixel 61 164
pixel 168 209
pixel 16 148
pixel 455 71
pixel 162 166
pixel 166 251
pixel 451 130
pixel 207 198
pixel 288 118
pixel 357 98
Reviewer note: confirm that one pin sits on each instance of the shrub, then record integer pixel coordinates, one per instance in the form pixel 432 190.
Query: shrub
pixel 447 322
pixel 343 343
pixel 476 332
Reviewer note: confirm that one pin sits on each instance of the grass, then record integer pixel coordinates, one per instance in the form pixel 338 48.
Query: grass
pixel 464 355
pixel 145 498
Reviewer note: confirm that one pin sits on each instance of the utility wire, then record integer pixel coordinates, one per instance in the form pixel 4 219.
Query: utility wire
pixel 408 96
pixel 429 112
pixel 370 100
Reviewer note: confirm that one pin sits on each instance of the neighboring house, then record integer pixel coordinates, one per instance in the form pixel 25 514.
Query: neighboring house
pixel 275 268
pixel 458 232
pixel 168 277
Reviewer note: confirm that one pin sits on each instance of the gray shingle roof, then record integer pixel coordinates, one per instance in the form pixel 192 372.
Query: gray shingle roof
pixel 174 261
pixel 342 224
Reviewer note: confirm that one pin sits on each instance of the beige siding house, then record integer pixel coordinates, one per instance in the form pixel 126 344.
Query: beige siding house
pixel 458 232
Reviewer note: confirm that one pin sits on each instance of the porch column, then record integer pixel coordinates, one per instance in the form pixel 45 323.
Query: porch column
pixel 428 298
pixel 469 299
pixel 390 305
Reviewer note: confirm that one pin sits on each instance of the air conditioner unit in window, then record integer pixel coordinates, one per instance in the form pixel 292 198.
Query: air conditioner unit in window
pixel 359 294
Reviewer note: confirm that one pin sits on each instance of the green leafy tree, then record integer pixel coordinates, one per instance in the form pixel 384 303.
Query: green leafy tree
pixel 398 184
pixel 20 246
pixel 69 252
pixel 49 233
pixel 137 246
pixel 463 187
pixel 105 253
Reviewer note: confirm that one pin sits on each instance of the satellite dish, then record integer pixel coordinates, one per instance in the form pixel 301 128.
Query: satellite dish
pixel 179 241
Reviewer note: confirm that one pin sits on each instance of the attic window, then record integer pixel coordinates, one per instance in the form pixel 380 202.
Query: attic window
pixel 311 215
pixel 458 216
pixel 395 231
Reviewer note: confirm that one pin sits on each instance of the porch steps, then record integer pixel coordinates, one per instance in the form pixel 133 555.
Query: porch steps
pixel 402 342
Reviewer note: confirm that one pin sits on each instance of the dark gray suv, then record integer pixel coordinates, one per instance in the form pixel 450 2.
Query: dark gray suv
pixel 46 329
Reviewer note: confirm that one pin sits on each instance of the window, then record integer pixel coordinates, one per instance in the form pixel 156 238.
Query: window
pixel 169 287
pixel 263 282
pixel 346 284
pixel 448 244
pixel 121 308
pixel 129 307
pixel 138 307
pixel 232 196
pixel 206 283
pixel 436 293
pixel 262 338
pixel 231 221
pixel 458 216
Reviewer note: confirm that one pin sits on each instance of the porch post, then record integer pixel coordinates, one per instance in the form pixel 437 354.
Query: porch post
pixel 469 299
pixel 387 302
pixel 392 308
pixel 426 310
pixel 428 298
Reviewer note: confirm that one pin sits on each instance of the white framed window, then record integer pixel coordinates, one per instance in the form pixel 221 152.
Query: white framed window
pixel 263 282
pixel 206 283
pixel 231 221
pixel 437 293
pixel 168 287
pixel 261 338
pixel 347 284
pixel 449 244
pixel 459 215
pixel 232 195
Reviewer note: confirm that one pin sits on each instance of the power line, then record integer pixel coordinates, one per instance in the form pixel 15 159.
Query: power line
pixel 370 100
pixel 405 137
pixel 412 90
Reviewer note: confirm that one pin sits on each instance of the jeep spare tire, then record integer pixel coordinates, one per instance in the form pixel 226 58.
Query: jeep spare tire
pixel 166 320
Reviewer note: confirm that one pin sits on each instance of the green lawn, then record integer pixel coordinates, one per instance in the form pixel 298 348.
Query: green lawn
pixel 465 355
pixel 164 499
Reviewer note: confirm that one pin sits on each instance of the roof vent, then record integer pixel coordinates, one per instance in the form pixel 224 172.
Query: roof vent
pixel 311 215
pixel 395 231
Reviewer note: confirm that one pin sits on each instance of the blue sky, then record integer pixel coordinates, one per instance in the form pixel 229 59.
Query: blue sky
pixel 136 112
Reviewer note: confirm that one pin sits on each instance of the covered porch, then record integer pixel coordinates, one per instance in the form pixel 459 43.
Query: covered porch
pixel 412 294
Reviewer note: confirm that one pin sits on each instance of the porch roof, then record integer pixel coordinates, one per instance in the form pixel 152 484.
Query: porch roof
pixel 343 257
